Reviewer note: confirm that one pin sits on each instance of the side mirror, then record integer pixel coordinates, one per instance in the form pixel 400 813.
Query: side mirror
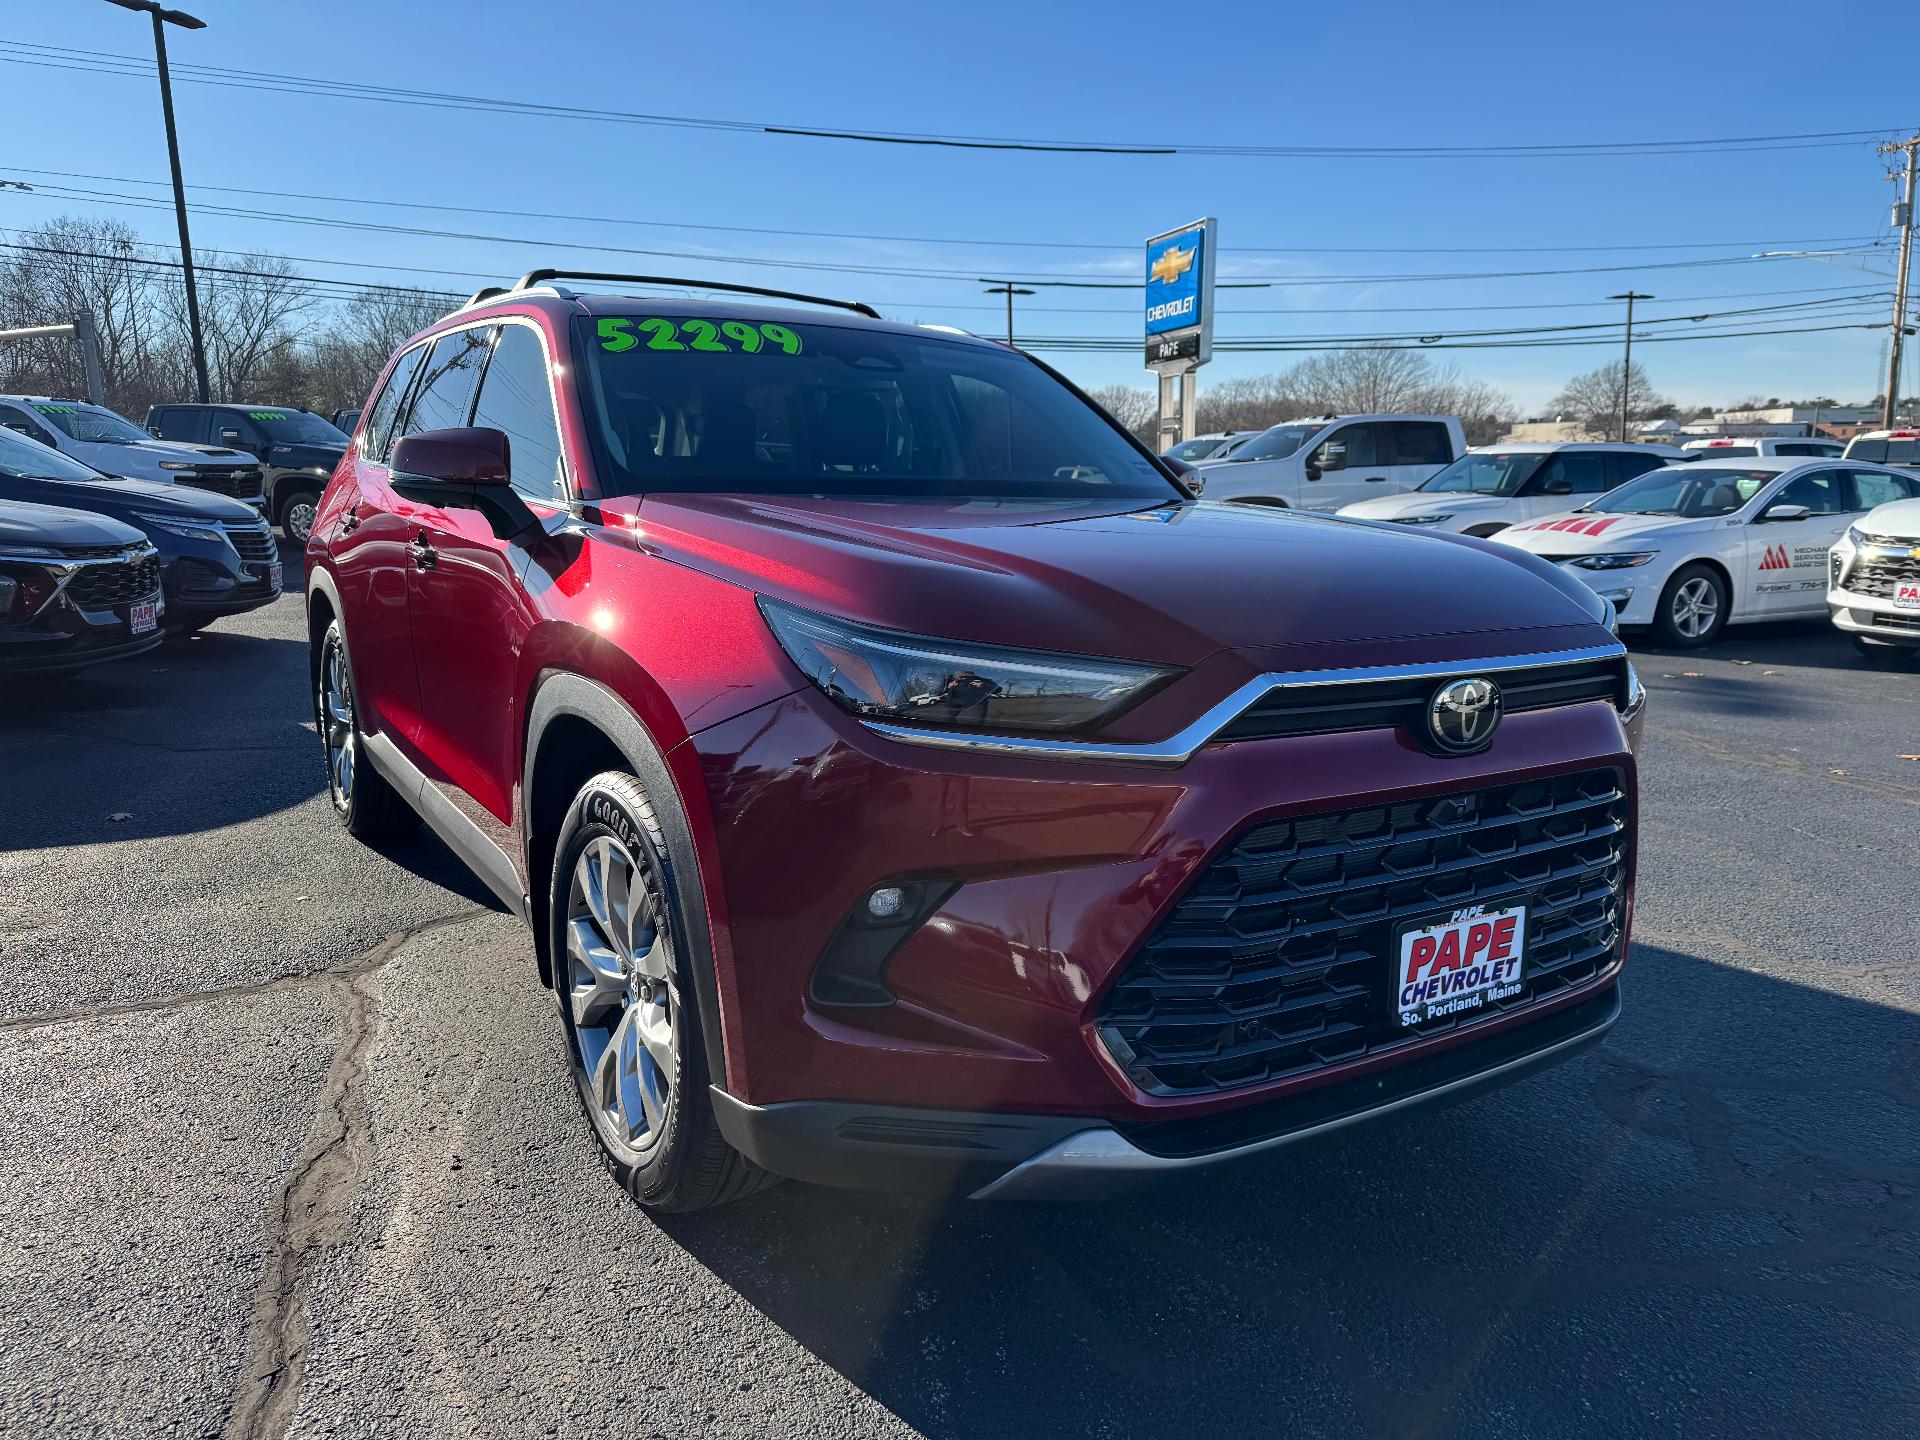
pixel 1332 457
pixel 461 470
pixel 1557 487
pixel 1784 510
pixel 452 457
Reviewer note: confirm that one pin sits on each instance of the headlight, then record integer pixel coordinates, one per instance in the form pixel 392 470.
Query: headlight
pixel 1854 537
pixel 179 464
pixel 1438 517
pixel 188 529
pixel 882 674
pixel 1624 560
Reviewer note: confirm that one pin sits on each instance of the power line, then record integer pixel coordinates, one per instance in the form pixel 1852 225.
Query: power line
pixel 101 62
pixel 1110 249
pixel 1050 279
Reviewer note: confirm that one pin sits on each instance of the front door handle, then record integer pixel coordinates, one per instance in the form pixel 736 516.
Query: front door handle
pixel 350 521
pixel 423 554
pixel 1376 479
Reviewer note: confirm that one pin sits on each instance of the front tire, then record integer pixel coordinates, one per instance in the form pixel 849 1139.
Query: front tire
pixel 361 798
pixel 1693 608
pixel 622 976
pixel 297 513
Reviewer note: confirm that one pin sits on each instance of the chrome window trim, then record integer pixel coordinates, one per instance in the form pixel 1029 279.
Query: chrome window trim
pixel 1181 746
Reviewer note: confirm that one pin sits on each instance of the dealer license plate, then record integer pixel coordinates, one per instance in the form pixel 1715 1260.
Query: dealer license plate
pixel 145 615
pixel 1906 594
pixel 273 575
pixel 1461 963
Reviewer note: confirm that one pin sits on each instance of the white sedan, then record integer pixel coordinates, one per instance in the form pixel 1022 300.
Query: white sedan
pixel 1691 549
pixel 1495 486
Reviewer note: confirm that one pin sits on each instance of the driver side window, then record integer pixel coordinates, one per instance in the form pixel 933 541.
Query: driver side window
pixel 1358 442
pixel 1583 473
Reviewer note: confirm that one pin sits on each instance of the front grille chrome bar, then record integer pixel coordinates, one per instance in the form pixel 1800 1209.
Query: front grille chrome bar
pixel 1180 747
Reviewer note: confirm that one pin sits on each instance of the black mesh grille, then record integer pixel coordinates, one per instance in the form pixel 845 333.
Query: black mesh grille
pixel 1320 709
pixel 1876 577
pixel 101 587
pixel 239 482
pixel 255 544
pixel 1278 959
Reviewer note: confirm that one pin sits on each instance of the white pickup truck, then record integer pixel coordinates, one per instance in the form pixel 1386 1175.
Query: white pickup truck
pixel 1335 460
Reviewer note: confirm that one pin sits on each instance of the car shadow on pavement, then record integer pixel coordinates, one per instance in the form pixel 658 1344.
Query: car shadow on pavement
pixel 1709 1225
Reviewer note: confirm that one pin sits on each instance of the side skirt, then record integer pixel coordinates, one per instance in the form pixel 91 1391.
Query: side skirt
pixel 462 836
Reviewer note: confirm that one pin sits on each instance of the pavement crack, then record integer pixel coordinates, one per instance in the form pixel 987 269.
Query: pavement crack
pixel 311 1215
pixel 357 965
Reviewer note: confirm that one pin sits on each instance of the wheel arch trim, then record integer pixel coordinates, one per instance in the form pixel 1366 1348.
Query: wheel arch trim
pixel 563 694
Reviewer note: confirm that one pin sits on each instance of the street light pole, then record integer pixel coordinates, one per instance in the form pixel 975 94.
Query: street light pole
pixel 1009 289
pixel 161 19
pixel 1626 365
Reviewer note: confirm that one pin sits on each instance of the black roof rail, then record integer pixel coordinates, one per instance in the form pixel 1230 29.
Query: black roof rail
pixel 485 292
pixel 540 277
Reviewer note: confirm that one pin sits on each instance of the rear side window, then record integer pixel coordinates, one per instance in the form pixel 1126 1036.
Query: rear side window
pixel 515 399
pixel 1584 471
pixel 1876 487
pixel 1801 449
pixel 1415 442
pixel 1622 467
pixel 1820 492
pixel 444 398
pixel 376 437
pixel 1874 452
pixel 17 419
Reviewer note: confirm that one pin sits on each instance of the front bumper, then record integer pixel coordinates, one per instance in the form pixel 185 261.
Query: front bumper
pixel 1063 870
pixel 1000 1156
pixel 39 653
pixel 1871 616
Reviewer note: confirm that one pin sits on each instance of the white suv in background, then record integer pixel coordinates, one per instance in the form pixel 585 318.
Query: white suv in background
pixel 1488 489
pixel 1734 447
pixel 1334 460
pixel 1873 571
pixel 1886 447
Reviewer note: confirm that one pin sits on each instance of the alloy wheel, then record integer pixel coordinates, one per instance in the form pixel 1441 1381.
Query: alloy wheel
pixel 335 715
pixel 621 999
pixel 1696 607
pixel 299 518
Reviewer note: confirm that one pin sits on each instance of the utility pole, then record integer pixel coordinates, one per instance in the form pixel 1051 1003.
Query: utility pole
pixel 1626 366
pixel 161 19
pixel 1009 289
pixel 1903 217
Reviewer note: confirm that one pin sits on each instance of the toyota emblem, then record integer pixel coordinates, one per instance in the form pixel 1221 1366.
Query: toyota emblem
pixel 1463 715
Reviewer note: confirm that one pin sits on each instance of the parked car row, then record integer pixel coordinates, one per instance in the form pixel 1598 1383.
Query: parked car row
pixel 97 567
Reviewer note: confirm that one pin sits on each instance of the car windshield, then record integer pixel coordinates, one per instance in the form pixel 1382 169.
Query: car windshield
pixel 24 459
pixel 297 427
pixel 1693 493
pixel 1277 443
pixel 1486 474
pixel 1192 450
pixel 90 423
pixel 690 404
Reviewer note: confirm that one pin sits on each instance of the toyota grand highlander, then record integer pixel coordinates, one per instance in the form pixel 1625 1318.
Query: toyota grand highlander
pixel 96 436
pixel 1691 549
pixel 1873 590
pixel 906 782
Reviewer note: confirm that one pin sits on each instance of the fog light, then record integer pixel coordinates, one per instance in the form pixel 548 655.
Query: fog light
pixel 1618 597
pixel 886 903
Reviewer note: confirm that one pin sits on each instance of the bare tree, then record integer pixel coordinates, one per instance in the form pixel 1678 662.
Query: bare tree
pixel 71 267
pixel 249 306
pixel 1135 408
pixel 1592 400
pixel 1346 382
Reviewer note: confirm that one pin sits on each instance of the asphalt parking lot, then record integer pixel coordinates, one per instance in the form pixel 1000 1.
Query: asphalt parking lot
pixel 288 1148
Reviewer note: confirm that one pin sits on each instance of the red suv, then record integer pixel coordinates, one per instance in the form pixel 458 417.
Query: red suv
pixel 906 780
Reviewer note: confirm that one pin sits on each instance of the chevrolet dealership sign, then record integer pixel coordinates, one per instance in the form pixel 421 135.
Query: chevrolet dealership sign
pixel 1180 297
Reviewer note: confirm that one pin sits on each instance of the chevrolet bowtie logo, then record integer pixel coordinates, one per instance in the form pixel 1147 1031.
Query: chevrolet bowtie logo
pixel 1172 264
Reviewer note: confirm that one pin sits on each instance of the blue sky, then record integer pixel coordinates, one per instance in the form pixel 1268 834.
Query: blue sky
pixel 1380 75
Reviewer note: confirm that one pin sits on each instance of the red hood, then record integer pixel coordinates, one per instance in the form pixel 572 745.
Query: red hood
pixel 1171 585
